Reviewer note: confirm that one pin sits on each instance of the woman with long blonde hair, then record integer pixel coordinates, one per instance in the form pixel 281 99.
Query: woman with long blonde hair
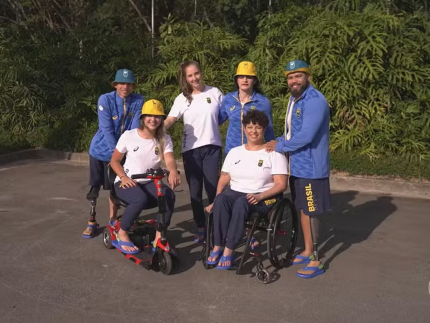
pixel 198 105
pixel 144 148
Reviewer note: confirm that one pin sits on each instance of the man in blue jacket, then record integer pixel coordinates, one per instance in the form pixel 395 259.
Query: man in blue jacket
pixel 117 111
pixel 306 143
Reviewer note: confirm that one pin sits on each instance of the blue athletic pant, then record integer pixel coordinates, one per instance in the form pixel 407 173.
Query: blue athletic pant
pixel 230 212
pixel 201 166
pixel 142 197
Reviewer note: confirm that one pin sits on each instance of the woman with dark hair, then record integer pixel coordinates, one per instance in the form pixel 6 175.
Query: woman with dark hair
pixel 144 147
pixel 235 105
pixel 256 178
pixel 198 105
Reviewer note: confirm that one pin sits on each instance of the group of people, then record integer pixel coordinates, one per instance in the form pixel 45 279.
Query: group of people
pixel 256 169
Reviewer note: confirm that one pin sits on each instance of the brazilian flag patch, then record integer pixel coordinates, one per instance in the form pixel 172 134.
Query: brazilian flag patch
pixel 157 151
pixel 208 100
pixel 252 107
pixel 260 163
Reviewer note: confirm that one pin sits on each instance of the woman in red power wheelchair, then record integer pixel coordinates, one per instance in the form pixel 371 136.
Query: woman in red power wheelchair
pixel 144 148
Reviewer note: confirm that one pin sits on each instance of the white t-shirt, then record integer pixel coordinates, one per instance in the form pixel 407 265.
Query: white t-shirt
pixel 251 171
pixel 200 118
pixel 141 154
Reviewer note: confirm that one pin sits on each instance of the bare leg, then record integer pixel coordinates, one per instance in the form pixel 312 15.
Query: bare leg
pixel 113 210
pixel 307 236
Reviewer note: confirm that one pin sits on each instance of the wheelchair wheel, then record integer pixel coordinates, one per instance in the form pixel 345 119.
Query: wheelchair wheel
pixel 165 263
pixel 107 239
pixel 282 233
pixel 208 243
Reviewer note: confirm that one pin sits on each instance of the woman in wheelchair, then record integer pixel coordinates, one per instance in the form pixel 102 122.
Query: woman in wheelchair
pixel 256 178
pixel 144 148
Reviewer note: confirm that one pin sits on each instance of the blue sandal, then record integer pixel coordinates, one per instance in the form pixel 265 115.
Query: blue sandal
pixel 91 230
pixel 224 259
pixel 215 254
pixel 317 270
pixel 119 243
pixel 305 260
pixel 200 233
pixel 254 243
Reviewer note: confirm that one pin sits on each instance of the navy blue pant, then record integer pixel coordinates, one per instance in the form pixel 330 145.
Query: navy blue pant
pixel 201 166
pixel 98 173
pixel 142 197
pixel 230 212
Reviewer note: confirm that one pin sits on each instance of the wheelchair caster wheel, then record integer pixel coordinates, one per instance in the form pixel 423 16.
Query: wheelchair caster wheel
pixel 165 263
pixel 263 276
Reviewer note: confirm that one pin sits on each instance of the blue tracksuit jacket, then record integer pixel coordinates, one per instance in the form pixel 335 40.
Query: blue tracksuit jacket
pixel 232 109
pixel 308 146
pixel 116 115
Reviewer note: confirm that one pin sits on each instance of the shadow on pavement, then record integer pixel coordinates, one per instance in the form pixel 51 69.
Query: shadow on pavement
pixel 348 225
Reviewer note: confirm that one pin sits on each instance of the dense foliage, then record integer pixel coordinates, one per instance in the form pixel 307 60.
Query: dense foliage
pixel 371 59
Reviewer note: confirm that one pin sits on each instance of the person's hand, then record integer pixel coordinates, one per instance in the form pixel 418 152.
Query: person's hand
pixel 174 179
pixel 127 182
pixel 253 198
pixel 209 208
pixel 270 146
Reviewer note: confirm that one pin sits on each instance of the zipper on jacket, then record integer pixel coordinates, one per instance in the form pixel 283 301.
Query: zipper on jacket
pixel 241 114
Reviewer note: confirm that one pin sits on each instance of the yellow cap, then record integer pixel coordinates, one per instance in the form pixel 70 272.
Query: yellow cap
pixel 246 68
pixel 153 107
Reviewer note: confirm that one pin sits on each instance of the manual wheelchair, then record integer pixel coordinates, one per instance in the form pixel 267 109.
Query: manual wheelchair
pixel 281 225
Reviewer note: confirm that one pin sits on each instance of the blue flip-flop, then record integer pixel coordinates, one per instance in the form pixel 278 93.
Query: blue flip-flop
pixel 254 243
pixel 317 270
pixel 200 233
pixel 305 260
pixel 119 243
pixel 93 226
pixel 215 254
pixel 224 259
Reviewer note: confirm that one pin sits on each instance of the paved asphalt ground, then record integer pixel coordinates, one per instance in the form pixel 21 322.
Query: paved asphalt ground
pixel 376 249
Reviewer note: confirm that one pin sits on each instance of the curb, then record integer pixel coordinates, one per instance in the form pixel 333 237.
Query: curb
pixel 399 188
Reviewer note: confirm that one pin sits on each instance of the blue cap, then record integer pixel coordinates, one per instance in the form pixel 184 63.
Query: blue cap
pixel 297 66
pixel 124 76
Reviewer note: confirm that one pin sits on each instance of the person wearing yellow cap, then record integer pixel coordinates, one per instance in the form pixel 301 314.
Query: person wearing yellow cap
pixel 237 104
pixel 144 148
pixel 306 142
pixel 198 105
pixel 117 112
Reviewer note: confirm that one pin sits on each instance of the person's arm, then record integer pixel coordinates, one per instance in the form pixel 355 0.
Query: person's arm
pixel 169 122
pixel 280 184
pixel 174 178
pixel 136 114
pixel 105 122
pixel 269 134
pixel 223 112
pixel 115 164
pixel 313 117
pixel 175 112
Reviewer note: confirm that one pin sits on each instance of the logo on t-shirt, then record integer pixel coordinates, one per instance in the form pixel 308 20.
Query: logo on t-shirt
pixel 136 149
pixel 157 151
pixel 208 100
pixel 237 162
pixel 298 113
pixel 260 163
